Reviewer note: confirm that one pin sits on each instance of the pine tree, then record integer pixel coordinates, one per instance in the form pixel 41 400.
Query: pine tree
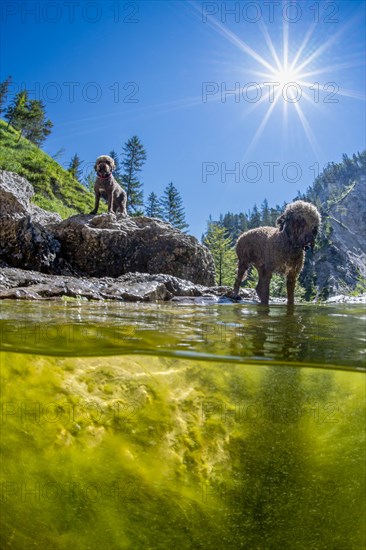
pixel 265 213
pixel 29 117
pixel 274 213
pixel 243 223
pixel 153 208
pixel 254 218
pixel 16 113
pixel 37 128
pixel 117 174
pixel 219 242
pixel 4 90
pixel 172 208
pixel 134 158
pixel 75 168
pixel 236 224
pixel 89 181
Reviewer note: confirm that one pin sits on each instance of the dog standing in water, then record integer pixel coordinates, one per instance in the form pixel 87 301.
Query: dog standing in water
pixel 278 250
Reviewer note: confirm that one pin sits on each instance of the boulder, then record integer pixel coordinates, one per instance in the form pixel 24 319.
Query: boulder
pixel 25 240
pixel 93 246
pixel 106 245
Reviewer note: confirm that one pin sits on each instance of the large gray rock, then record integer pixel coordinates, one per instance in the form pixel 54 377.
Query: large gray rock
pixel 25 240
pixel 93 246
pixel 107 245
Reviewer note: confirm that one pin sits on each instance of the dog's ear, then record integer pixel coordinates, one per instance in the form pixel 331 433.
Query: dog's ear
pixel 287 223
pixel 95 166
pixel 281 220
pixel 112 164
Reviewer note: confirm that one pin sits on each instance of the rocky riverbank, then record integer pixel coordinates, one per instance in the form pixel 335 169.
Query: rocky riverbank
pixel 103 257
pixel 132 287
pixel 96 257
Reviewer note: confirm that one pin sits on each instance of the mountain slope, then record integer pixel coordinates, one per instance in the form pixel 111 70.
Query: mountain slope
pixel 339 262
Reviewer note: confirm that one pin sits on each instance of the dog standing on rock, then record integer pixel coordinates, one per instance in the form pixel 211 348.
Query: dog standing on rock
pixel 271 250
pixel 106 184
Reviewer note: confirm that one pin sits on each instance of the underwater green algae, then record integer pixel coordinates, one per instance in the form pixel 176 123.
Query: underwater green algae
pixel 153 451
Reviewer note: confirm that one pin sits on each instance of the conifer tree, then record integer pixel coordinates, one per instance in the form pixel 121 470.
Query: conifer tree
pixel 254 218
pixel 4 90
pixel 265 213
pixel 17 111
pixel 29 117
pixel 75 168
pixel 37 128
pixel 117 174
pixel 242 222
pixel 132 163
pixel 274 213
pixel 153 208
pixel 89 181
pixel 219 243
pixel 172 208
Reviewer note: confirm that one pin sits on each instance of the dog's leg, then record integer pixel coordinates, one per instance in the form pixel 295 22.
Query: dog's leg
pixel 242 269
pixel 96 205
pixel 110 202
pixel 290 283
pixel 121 205
pixel 262 287
pixel 124 205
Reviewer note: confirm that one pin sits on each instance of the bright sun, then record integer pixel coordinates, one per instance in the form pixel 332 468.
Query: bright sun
pixel 285 76
pixel 290 79
pixel 286 82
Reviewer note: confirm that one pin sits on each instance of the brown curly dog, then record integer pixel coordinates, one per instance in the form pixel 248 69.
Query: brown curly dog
pixel 106 184
pixel 278 250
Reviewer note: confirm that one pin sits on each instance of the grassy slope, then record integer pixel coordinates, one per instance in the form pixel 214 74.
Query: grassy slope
pixel 55 189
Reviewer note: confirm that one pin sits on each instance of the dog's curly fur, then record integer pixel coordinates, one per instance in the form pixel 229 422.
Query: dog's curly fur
pixel 106 184
pixel 279 250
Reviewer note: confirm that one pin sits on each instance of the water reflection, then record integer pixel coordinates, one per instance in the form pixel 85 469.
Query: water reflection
pixel 326 336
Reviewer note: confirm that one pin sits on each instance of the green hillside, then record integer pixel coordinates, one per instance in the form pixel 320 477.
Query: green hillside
pixel 55 189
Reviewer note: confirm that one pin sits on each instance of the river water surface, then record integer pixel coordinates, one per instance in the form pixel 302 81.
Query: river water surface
pixel 201 426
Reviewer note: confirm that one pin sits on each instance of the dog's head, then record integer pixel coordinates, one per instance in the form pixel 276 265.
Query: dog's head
pixel 300 221
pixel 104 166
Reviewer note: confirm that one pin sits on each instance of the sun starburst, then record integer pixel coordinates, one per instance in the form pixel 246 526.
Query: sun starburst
pixel 286 79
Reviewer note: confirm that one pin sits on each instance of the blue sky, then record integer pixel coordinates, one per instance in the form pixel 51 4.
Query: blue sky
pixel 159 70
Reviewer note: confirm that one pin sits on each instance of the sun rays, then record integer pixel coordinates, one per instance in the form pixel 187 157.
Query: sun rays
pixel 288 70
pixel 291 80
